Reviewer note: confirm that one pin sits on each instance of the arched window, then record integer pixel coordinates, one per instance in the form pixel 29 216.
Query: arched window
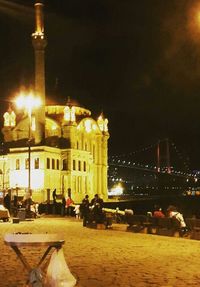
pixel 64 164
pixel 53 163
pixel 37 163
pixel 48 163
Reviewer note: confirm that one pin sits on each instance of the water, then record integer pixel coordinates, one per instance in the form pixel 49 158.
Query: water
pixel 189 206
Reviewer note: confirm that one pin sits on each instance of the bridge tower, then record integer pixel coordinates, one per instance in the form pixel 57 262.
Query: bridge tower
pixel 167 156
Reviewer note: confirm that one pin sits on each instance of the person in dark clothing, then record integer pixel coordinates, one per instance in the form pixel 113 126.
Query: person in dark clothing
pixel 85 210
pixel 6 201
pixel 97 205
pixel 54 195
pixel 97 201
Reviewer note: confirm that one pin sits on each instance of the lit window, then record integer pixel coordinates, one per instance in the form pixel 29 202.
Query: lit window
pixel 69 114
pixel 84 166
pixel 37 163
pixel 94 127
pixel 100 122
pixel 74 164
pixel 17 164
pixel 79 165
pixel 6 119
pixel 73 118
pixel 9 119
pixel 64 164
pixel 88 125
pixel 48 163
pixel 53 127
pixel 106 125
pixel 12 119
pixel 53 163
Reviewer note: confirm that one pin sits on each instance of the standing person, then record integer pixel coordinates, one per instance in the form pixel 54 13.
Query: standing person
pixel 6 201
pixel 97 201
pixel 54 195
pixel 69 205
pixel 85 209
pixel 97 205
pixel 77 211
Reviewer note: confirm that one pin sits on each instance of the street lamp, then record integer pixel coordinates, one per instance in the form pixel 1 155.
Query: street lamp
pixel 29 102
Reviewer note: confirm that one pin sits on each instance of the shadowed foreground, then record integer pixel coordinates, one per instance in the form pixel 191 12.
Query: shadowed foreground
pixel 107 258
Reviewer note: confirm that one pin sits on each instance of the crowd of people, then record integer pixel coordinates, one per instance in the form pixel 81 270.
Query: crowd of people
pixel 92 211
pixel 18 203
pixel 88 211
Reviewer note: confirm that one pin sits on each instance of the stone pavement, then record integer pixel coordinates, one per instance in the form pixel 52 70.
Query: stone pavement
pixel 106 258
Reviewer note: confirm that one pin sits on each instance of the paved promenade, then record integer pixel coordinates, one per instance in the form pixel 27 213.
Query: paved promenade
pixel 107 258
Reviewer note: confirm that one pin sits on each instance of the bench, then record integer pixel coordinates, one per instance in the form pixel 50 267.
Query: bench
pixel 138 223
pixel 165 226
pixel 153 225
pixel 194 225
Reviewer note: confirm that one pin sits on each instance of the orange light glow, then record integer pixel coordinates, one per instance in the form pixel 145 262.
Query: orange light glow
pixel 194 22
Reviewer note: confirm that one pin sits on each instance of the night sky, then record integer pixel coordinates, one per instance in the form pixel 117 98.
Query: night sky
pixel 137 61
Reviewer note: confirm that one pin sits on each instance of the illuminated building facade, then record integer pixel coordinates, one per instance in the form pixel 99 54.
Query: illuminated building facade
pixel 67 148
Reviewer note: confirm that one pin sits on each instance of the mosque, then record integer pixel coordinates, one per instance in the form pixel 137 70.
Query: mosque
pixel 53 146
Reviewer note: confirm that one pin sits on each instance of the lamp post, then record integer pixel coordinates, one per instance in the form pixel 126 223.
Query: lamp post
pixel 28 102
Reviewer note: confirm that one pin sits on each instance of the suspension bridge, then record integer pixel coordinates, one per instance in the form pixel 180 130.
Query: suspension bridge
pixel 157 168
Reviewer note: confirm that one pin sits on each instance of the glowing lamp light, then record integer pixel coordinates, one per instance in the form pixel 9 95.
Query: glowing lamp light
pixel 70 114
pixel 28 101
pixel 116 190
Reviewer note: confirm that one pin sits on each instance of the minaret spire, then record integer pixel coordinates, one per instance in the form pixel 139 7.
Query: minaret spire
pixel 39 43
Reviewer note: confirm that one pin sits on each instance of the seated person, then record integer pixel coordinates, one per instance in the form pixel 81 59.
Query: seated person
pixel 158 212
pixel 174 213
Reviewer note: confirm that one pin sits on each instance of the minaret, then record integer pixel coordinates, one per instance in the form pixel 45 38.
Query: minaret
pixel 39 43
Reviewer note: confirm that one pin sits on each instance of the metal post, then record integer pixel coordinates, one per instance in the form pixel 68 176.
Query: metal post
pixel 29 166
pixel 29 150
